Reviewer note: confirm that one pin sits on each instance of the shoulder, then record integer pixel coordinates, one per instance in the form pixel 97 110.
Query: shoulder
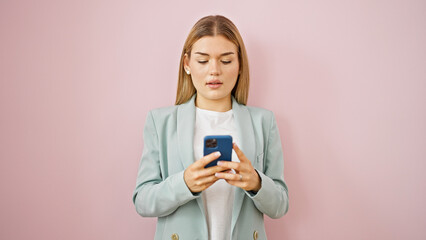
pixel 261 119
pixel 163 111
pixel 162 116
pixel 259 111
pixel 171 112
pixel 261 114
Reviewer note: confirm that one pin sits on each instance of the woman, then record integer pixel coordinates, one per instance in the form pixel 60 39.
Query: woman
pixel 226 201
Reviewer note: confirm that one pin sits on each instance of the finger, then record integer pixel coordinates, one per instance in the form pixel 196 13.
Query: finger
pixel 229 176
pixel 207 180
pixel 229 164
pixel 239 153
pixel 207 159
pixel 204 183
pixel 204 172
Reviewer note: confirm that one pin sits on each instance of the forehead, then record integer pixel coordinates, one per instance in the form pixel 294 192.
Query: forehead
pixel 214 45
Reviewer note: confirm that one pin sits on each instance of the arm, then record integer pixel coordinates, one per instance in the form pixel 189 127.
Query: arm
pixel 272 198
pixel 153 195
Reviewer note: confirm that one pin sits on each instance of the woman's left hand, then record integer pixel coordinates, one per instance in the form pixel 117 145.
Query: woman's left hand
pixel 245 177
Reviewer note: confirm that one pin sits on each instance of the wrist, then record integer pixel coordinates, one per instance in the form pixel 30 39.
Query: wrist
pixel 258 183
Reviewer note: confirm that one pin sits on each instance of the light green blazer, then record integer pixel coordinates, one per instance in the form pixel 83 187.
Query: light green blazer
pixel 168 150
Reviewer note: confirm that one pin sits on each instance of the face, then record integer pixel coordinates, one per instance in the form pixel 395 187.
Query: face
pixel 214 67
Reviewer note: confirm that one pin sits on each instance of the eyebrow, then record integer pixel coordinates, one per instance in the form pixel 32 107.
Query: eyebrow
pixel 223 54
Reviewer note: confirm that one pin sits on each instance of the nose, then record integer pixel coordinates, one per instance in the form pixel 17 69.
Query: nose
pixel 214 68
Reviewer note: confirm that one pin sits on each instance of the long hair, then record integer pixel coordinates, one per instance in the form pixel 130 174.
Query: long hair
pixel 213 26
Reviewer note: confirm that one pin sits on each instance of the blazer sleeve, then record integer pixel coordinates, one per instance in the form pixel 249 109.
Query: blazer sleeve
pixel 153 195
pixel 272 198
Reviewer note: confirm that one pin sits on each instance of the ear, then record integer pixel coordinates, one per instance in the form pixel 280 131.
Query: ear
pixel 186 62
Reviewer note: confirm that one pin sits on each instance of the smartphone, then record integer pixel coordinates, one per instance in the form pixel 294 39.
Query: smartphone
pixel 221 143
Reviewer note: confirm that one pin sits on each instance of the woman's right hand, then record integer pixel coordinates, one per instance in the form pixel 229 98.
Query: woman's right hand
pixel 198 178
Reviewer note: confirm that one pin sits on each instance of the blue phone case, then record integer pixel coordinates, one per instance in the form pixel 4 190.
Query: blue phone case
pixel 221 143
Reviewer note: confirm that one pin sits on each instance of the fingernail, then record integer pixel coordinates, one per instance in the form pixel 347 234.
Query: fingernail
pixel 219 163
pixel 217 154
pixel 217 174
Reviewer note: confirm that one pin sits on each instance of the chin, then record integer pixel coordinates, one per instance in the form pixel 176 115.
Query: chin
pixel 215 95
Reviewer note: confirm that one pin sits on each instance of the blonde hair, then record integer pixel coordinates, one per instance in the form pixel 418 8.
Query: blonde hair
pixel 213 26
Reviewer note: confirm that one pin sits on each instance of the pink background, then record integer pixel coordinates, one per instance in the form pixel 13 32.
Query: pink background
pixel 346 80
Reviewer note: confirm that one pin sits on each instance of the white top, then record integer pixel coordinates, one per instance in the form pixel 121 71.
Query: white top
pixel 218 199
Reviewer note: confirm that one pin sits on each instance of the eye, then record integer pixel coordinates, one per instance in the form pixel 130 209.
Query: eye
pixel 226 62
pixel 202 61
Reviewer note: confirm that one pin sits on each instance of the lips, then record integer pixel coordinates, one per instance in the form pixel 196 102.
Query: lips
pixel 214 84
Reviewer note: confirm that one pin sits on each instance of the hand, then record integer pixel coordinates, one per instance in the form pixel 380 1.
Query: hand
pixel 245 177
pixel 198 178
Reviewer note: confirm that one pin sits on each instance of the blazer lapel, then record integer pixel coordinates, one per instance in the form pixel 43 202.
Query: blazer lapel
pixel 245 134
pixel 185 131
pixel 185 137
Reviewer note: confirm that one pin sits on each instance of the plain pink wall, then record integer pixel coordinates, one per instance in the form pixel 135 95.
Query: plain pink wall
pixel 346 80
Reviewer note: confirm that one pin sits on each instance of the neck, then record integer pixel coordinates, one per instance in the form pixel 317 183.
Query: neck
pixel 217 105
